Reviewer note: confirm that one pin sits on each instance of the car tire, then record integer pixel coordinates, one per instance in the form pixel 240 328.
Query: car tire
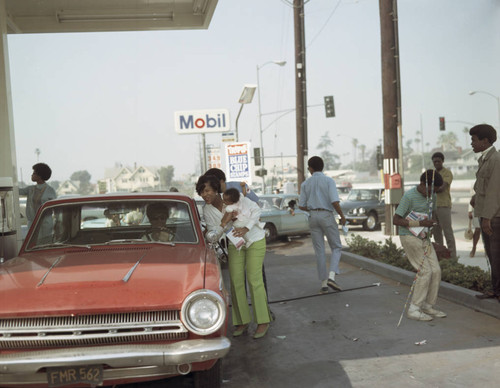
pixel 271 233
pixel 211 378
pixel 371 222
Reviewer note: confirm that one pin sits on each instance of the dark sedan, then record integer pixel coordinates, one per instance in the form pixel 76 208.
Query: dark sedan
pixel 365 207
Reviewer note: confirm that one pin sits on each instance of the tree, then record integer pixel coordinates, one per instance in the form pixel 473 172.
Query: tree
pixel 83 177
pixel 325 142
pixel 330 159
pixel 448 141
pixel 166 175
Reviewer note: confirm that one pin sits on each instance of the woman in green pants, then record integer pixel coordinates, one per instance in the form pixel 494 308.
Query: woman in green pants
pixel 247 260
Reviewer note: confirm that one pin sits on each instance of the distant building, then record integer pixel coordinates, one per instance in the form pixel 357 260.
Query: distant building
pixel 138 179
pixel 68 187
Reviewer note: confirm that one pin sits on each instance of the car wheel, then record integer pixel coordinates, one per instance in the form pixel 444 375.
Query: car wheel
pixel 211 378
pixel 371 222
pixel 271 233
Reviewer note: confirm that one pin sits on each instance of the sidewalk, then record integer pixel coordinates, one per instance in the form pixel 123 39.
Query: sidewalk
pixel 352 338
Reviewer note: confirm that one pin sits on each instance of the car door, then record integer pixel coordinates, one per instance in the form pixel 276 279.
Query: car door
pixel 297 223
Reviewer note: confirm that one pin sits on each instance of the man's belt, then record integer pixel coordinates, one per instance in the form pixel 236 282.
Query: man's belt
pixel 319 210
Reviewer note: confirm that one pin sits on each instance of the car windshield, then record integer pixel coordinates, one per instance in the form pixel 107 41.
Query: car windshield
pixel 268 203
pixel 363 195
pixel 114 221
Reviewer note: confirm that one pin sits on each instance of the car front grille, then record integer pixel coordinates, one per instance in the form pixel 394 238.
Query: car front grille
pixel 45 332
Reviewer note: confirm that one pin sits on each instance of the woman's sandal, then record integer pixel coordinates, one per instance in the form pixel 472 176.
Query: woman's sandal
pixel 239 330
pixel 261 330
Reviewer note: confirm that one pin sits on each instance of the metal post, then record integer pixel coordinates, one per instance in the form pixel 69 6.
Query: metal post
pixel 260 135
pixel 236 126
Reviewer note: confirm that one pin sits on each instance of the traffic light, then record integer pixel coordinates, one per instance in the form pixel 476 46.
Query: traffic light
pixel 380 158
pixel 261 172
pixel 256 156
pixel 329 108
pixel 442 125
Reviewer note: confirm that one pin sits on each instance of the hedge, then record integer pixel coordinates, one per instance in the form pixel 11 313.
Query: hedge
pixel 471 277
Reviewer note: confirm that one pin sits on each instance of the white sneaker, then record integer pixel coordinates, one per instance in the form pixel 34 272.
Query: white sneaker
pixel 415 313
pixel 435 313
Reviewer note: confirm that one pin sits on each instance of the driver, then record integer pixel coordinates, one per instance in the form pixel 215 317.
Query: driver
pixel 158 214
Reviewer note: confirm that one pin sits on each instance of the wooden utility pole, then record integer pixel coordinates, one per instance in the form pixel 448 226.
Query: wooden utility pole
pixel 391 102
pixel 300 89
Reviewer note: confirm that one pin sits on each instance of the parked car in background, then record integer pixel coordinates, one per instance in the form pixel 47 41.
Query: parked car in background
pixel 100 302
pixel 343 189
pixel 282 216
pixel 277 215
pixel 365 206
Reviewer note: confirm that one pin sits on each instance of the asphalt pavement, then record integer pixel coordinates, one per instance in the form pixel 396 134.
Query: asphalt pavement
pixel 352 339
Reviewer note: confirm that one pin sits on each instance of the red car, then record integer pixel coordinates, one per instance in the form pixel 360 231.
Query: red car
pixel 113 289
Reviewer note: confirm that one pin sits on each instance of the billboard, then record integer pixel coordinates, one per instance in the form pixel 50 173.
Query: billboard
pixel 238 162
pixel 214 157
pixel 202 121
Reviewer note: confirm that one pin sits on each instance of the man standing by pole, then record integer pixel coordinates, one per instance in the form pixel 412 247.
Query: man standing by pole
pixel 443 203
pixel 486 201
pixel 319 196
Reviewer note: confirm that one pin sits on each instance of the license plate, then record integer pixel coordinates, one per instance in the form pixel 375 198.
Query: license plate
pixel 59 376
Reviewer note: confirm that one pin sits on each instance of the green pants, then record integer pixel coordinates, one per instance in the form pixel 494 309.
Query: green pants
pixel 248 260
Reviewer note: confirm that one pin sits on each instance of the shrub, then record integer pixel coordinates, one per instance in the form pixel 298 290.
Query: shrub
pixel 473 278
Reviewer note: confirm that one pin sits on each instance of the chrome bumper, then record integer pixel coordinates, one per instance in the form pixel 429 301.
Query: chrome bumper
pixel 125 361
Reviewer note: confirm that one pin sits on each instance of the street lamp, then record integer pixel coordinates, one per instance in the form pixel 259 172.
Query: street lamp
pixel 279 63
pixel 245 98
pixel 471 93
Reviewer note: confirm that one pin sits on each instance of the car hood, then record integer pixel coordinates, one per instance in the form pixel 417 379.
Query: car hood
pixel 357 204
pixel 101 280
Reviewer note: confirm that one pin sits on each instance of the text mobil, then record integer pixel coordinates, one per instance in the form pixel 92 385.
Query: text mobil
pixel 202 121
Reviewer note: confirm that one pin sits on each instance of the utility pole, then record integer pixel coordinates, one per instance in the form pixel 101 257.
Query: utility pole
pixel 391 101
pixel 300 89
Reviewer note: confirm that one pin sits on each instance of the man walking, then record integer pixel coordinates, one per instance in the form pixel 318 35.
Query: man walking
pixel 319 196
pixel 443 203
pixel 486 201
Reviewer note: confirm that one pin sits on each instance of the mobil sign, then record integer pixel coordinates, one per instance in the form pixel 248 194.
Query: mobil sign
pixel 202 121
pixel 238 162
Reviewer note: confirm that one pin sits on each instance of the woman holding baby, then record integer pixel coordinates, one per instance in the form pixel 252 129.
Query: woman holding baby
pixel 244 262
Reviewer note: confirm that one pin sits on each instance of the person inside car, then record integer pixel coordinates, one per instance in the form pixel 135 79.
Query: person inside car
pixel 157 215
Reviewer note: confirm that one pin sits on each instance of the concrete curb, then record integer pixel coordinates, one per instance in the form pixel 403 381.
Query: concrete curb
pixel 448 291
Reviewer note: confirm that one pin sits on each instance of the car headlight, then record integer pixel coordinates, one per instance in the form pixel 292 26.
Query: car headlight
pixel 354 211
pixel 361 210
pixel 203 312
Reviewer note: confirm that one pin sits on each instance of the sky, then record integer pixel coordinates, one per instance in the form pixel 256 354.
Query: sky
pixel 88 101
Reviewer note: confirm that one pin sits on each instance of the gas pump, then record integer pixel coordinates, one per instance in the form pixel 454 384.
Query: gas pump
pixel 8 242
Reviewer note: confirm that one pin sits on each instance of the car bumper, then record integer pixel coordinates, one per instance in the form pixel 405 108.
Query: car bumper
pixel 356 220
pixel 124 361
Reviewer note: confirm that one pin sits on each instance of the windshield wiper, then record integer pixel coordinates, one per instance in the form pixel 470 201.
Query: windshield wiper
pixel 126 241
pixel 61 245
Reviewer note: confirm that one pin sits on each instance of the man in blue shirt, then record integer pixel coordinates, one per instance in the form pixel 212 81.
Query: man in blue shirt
pixel 319 196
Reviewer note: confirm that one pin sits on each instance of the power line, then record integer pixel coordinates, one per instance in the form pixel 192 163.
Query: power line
pixel 324 25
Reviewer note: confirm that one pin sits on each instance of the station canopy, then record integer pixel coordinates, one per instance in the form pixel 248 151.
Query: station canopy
pixel 52 16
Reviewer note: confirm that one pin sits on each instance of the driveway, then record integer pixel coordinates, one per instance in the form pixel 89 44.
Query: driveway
pixel 352 338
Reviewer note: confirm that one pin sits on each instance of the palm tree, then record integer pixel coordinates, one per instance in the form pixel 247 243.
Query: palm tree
pixel 355 147
pixel 362 148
